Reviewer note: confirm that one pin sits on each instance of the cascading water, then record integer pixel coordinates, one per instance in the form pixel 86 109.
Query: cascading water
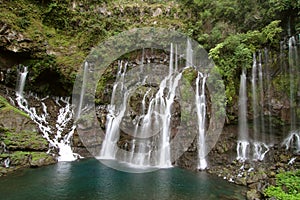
pixel 293 139
pixel 293 75
pixel 137 155
pixel 163 104
pixel 243 141
pixel 260 148
pixel 148 137
pixel 23 70
pixel 143 149
pixel 52 134
pixel 268 85
pixel 189 54
pixel 201 115
pixel 254 98
pixel 86 66
pixel 261 97
pixel 7 162
pixel 116 112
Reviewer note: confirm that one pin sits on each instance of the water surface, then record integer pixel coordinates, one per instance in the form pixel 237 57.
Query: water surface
pixel 89 179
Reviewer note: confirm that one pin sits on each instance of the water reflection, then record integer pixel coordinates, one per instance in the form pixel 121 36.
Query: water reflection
pixel 89 179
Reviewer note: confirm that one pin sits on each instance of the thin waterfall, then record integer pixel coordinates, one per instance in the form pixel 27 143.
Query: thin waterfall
pixel 259 147
pixel 243 141
pixel 115 115
pixel 261 90
pixel 269 140
pixel 292 141
pixel 23 70
pixel 163 105
pixel 138 155
pixel 83 88
pixel 176 58
pixel 254 98
pixel 292 72
pixel 189 54
pixel 201 115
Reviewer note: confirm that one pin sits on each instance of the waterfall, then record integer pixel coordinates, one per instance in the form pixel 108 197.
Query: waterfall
pixel 260 148
pixel 115 115
pixel 254 98
pixel 23 70
pixel 163 104
pixel 243 142
pixel 7 162
pixel 261 90
pixel 150 142
pixel 54 134
pixel 293 75
pixel 292 141
pixel 242 147
pixel 201 115
pixel 83 88
pixel 137 155
pixel 189 54
pixel 64 118
pixel 269 97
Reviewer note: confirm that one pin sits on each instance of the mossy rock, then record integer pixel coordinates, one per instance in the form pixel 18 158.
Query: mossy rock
pixel 24 140
pixel 18 131
pixel 40 159
pixel 20 158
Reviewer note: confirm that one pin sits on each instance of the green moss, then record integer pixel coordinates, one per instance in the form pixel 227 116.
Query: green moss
pixel 190 75
pixel 4 105
pixel 19 156
pixel 35 156
pixel 24 139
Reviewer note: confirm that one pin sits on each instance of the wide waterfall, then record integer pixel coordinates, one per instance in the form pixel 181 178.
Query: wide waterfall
pixel 261 139
pixel 157 115
pixel 151 129
pixel 59 134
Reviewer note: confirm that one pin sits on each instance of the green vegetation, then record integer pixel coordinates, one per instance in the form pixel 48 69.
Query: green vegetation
pixel 4 105
pixel 235 53
pixel 24 140
pixel 66 31
pixel 287 186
